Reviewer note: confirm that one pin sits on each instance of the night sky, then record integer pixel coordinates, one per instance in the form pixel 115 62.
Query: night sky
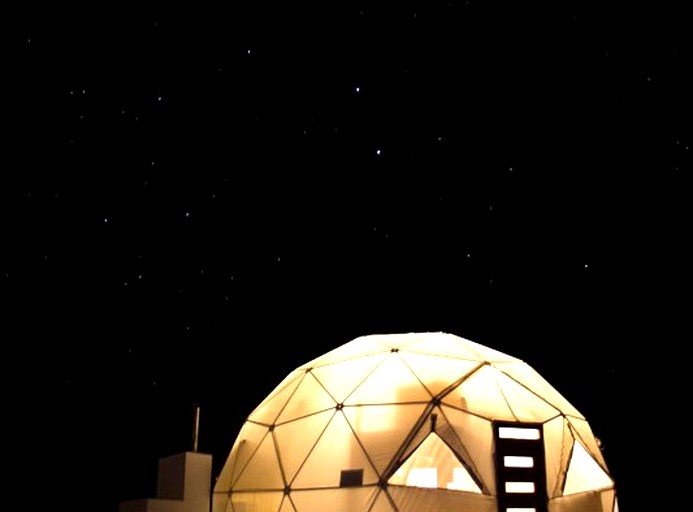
pixel 196 200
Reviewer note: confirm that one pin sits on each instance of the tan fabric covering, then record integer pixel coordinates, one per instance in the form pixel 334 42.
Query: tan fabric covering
pixel 405 422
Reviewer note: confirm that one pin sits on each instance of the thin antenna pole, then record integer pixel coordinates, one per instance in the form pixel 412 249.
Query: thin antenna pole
pixel 196 427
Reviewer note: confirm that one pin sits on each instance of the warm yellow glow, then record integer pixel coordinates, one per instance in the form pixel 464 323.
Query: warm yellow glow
pixel 433 464
pixel 584 474
pixel 423 477
pixel 519 487
pixel 374 418
pixel 518 433
pixel 462 481
pixel 516 461
pixel 417 421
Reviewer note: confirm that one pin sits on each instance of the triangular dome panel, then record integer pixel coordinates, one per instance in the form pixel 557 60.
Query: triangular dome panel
pixel 434 465
pixel 338 445
pixel 247 442
pixel 584 473
pixel 450 436
pixel 412 499
pixel 294 445
pixel 382 429
pixel 262 470
pixel 437 373
pixel 345 499
pixel 530 378
pixel 557 443
pixel 481 394
pixel 476 435
pixel 308 398
pixel 525 405
pixel 484 353
pixel 417 437
pixel 583 432
pixel 374 391
pixel 440 345
pixel 266 501
pixel 342 378
pixel 363 346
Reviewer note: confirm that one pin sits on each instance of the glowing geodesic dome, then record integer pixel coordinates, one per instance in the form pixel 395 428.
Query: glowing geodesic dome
pixel 415 422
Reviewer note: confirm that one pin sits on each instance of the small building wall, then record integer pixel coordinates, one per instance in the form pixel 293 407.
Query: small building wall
pixel 184 484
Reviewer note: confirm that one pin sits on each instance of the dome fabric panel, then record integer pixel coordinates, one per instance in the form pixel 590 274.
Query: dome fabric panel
pixel 583 432
pixel 525 405
pixel 593 501
pixel 293 443
pixel 338 445
pixel 221 503
pixel 414 499
pixel 262 470
pixel 476 434
pixel 381 443
pixel 480 393
pixel 436 372
pixel 311 397
pixel 558 440
pixel 286 505
pixel 392 369
pixel 267 412
pixel 530 379
pixel 445 468
pixel 245 502
pixel 341 378
pixel 249 439
pixel 443 346
pixel 584 474
pixel 335 500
